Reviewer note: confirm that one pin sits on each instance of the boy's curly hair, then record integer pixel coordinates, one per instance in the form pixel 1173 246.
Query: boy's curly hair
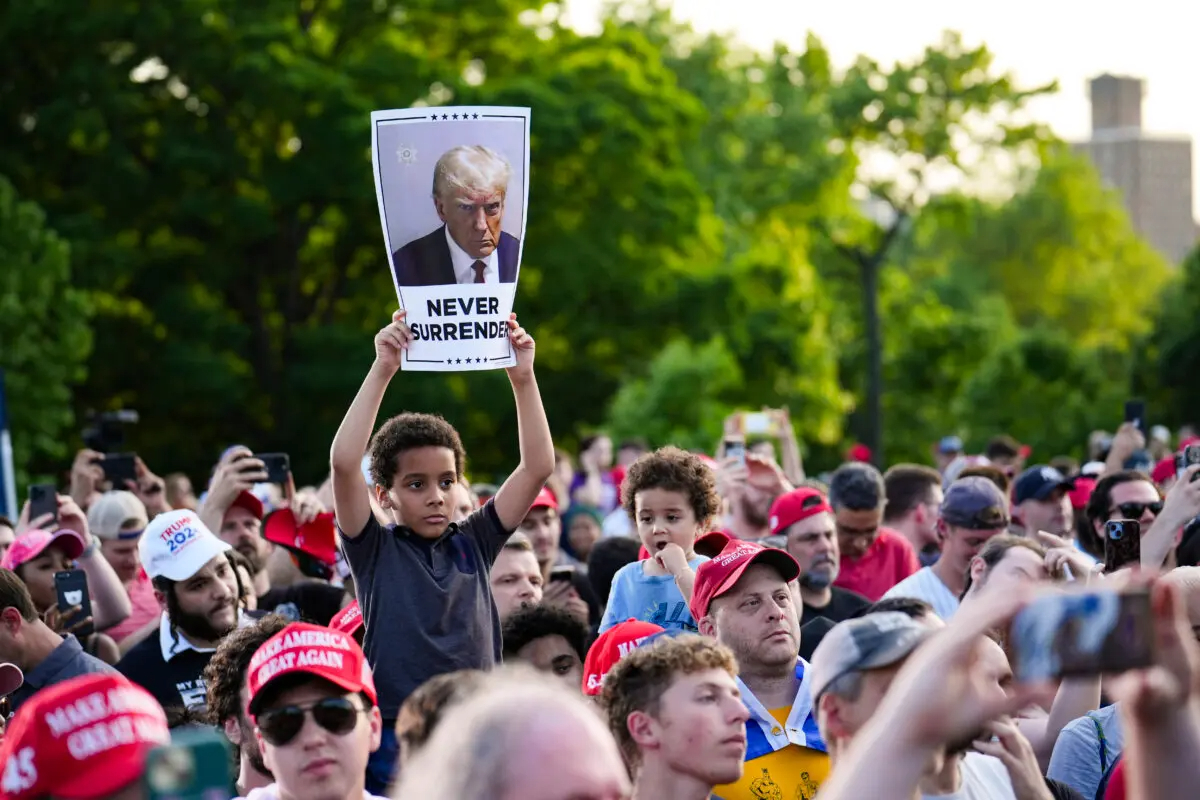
pixel 409 431
pixel 673 470
pixel 225 674
pixel 535 622
pixel 640 678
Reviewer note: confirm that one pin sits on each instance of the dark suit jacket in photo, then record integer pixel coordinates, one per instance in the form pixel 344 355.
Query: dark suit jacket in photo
pixel 426 261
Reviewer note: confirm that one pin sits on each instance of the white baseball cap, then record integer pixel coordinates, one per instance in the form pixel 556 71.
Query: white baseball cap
pixel 176 545
pixel 114 510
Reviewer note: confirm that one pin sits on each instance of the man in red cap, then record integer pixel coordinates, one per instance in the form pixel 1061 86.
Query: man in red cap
pixel 312 698
pixel 805 519
pixel 743 598
pixel 613 645
pixel 83 739
pixel 543 528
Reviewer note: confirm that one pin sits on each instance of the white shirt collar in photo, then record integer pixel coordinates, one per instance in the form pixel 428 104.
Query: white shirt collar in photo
pixel 464 265
pixel 173 645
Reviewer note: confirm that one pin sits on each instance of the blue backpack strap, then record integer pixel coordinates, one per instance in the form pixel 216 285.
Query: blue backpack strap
pixel 1102 742
pixel 1103 789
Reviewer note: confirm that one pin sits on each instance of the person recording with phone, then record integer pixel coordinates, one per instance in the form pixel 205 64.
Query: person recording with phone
pixel 51 545
pixel 233 511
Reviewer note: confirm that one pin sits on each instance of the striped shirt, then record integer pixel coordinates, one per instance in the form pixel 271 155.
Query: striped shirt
pixel 925 585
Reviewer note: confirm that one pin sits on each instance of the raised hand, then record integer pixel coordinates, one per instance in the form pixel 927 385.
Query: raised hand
pixel 524 346
pixel 392 341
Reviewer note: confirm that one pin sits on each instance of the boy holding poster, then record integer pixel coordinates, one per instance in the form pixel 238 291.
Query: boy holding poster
pixel 422 582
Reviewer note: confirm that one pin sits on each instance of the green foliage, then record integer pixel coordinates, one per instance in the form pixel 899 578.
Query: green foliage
pixel 44 333
pixel 1176 343
pixel 679 400
pixel 1042 388
pixel 695 243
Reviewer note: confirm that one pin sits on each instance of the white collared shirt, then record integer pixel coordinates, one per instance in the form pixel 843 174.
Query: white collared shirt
pixel 464 265
pixel 174 645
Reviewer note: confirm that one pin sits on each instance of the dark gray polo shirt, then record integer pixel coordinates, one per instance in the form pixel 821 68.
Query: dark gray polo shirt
pixel 426 603
pixel 65 662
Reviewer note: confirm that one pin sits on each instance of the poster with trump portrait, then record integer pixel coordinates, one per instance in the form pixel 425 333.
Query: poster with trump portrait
pixel 453 192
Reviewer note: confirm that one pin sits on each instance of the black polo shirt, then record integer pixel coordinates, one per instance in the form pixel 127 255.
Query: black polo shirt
pixel 426 603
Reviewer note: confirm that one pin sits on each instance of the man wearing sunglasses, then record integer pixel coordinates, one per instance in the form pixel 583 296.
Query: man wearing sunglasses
pixel 1124 495
pixel 313 702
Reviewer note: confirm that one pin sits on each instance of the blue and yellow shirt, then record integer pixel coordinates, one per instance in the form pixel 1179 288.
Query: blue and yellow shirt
pixel 785 757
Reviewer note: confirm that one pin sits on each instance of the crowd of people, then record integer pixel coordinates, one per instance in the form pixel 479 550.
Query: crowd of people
pixel 626 623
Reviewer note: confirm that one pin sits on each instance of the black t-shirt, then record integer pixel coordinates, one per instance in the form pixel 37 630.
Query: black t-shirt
pixel 306 601
pixel 178 683
pixel 843 605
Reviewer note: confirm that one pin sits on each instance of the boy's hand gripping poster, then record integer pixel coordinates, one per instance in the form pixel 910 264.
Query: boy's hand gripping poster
pixel 453 192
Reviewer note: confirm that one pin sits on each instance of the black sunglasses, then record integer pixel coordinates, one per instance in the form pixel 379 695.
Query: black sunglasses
pixel 338 715
pixel 1135 510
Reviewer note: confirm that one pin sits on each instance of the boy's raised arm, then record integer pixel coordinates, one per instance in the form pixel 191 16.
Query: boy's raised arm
pixel 533 430
pixel 351 502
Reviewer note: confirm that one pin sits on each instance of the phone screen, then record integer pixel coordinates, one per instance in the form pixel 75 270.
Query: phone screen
pixel 1085 633
pixel 277 464
pixel 1122 544
pixel 72 588
pixel 1135 412
pixel 565 574
pixel 735 448
pixel 43 499
pixel 118 468
pixel 194 766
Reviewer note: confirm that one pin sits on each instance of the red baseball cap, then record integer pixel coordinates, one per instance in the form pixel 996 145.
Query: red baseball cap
pixel 84 738
pixel 1081 491
pixel 796 505
pixel 715 578
pixel 348 620
pixel 317 538
pixel 1163 470
pixel 711 544
pixel 312 650
pixel 610 647
pixel 249 501
pixel 30 544
pixel 545 499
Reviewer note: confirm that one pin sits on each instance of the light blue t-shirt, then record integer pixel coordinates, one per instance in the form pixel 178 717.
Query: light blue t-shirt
pixel 650 598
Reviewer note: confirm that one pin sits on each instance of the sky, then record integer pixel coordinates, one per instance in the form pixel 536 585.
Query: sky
pixel 1037 40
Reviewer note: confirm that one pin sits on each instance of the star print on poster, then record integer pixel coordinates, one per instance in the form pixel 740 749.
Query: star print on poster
pixel 453 192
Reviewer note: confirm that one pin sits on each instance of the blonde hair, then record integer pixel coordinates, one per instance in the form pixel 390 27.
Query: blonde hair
pixel 468 756
pixel 470 169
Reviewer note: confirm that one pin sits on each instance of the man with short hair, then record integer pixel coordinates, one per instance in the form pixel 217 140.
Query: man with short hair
pixel 1129 494
pixel 675 710
pixel 197 591
pixel 1007 454
pixel 548 638
pixel 45 657
pixel 914 494
pixel 874 558
pixel 516 577
pixel 117 519
pixel 228 697
pixel 1008 558
pixel 519 737
pixel 805 520
pixel 743 598
pixel 86 738
pixel 235 514
pixel 470 185
pixel 973 511
pixel 946 451
pixel 312 698
pixel 1041 502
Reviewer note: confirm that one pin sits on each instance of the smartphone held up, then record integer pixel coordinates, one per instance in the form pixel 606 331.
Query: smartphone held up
pixel 1082 633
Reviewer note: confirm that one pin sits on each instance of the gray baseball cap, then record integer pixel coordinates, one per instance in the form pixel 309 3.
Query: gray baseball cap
pixel 872 641
pixel 976 503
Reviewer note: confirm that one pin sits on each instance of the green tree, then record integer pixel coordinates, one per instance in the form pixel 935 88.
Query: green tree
pixel 1172 353
pixel 45 334
pixel 682 399
pixel 1042 388
pixel 906 126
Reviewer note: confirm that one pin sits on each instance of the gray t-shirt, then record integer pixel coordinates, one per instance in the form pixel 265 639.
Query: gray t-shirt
pixel 1086 748
pixel 426 603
